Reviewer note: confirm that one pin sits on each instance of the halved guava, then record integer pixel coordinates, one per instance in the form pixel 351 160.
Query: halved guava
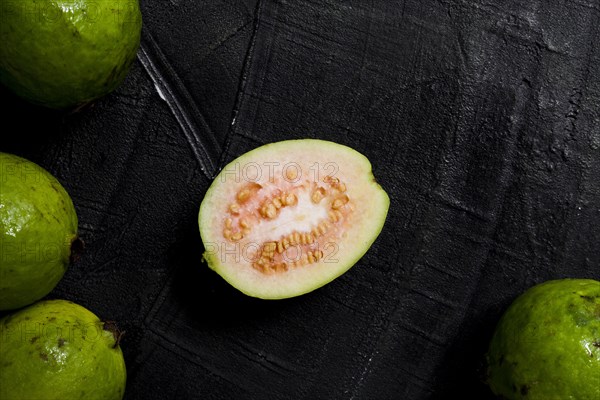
pixel 59 350
pixel 38 231
pixel 288 217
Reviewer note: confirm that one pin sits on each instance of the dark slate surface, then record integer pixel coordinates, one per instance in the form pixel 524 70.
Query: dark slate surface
pixel 481 119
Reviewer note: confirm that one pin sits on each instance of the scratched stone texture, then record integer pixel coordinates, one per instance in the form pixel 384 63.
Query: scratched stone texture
pixel 482 122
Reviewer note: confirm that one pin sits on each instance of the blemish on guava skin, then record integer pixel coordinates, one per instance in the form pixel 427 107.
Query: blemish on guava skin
pixel 52 319
pixel 44 356
pixel 580 317
pixel 111 76
pixel 524 390
pixel 34 339
pixel 61 342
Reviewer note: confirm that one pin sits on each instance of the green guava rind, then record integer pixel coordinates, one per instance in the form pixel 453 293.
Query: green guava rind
pixel 38 223
pixel 362 187
pixel 65 53
pixel 547 344
pixel 56 350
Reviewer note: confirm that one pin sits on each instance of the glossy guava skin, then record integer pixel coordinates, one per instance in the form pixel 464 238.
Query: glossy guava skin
pixel 57 350
pixel 547 344
pixel 38 223
pixel 66 53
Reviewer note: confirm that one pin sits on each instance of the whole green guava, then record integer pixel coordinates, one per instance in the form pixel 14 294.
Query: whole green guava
pixel 58 350
pixel 38 227
pixel 67 53
pixel 547 344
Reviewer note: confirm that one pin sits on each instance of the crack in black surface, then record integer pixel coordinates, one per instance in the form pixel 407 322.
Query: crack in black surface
pixel 198 134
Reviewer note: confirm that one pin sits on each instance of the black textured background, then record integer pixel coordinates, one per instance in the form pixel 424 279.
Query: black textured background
pixel 481 119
